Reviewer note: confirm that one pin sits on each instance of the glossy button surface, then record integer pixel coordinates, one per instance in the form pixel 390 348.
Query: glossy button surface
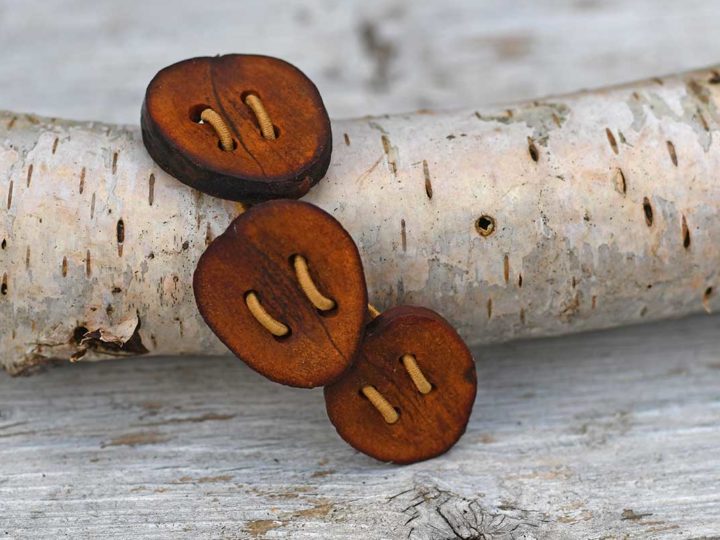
pixel 427 420
pixel 252 270
pixel 256 168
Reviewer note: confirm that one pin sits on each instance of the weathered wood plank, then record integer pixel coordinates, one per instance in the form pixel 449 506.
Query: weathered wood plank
pixel 612 433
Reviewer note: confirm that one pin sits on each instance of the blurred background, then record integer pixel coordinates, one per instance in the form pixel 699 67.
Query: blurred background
pixel 88 59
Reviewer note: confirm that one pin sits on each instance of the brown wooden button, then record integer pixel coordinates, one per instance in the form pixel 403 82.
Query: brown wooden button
pixel 284 289
pixel 276 140
pixel 409 394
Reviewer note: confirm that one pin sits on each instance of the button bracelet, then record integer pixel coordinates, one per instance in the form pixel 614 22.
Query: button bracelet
pixel 283 287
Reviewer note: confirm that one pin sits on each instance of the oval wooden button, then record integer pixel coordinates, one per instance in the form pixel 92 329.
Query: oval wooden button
pixel 294 263
pixel 255 168
pixel 426 405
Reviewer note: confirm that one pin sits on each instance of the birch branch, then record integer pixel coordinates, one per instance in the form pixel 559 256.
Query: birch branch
pixel 582 212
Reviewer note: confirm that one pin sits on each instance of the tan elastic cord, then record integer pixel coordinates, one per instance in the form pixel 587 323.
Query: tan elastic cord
pixel 421 383
pixel 266 126
pixel 374 312
pixel 241 207
pixel 320 301
pixel 388 412
pixel 275 327
pixel 220 127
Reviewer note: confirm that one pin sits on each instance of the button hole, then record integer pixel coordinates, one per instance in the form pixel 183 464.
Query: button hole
pixel 220 146
pixel 281 339
pixel 195 111
pixel 329 312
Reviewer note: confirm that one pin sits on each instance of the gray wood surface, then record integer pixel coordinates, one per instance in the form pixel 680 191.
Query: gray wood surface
pixel 601 435
pixel 608 434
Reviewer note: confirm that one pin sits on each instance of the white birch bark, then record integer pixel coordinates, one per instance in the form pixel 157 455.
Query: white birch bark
pixel 605 207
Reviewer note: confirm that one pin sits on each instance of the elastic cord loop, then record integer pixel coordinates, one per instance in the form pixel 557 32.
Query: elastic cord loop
pixel 421 383
pixel 266 126
pixel 388 412
pixel 319 300
pixel 220 127
pixel 272 325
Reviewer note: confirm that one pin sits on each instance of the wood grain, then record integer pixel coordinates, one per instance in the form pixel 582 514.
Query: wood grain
pixel 257 169
pixel 429 424
pixel 255 254
pixel 610 433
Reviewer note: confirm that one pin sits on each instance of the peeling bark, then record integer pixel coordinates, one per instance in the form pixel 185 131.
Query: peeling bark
pixel 574 213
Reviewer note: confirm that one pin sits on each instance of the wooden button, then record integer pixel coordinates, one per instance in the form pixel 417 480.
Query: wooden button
pixel 409 394
pixel 253 167
pixel 284 289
